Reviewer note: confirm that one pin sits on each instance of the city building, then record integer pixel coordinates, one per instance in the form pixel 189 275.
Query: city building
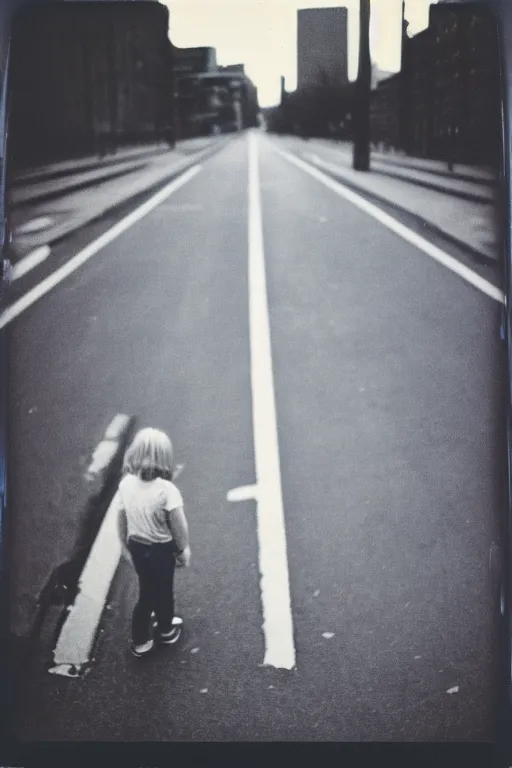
pixel 322 47
pixel 216 102
pixel 194 61
pixel 249 93
pixel 417 115
pixel 194 104
pixel 88 78
pixel 378 75
pixel 211 99
pixel 238 69
pixel 445 102
pixel 385 107
pixel 465 84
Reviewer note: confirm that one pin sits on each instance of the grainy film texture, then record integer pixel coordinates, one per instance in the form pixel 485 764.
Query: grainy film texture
pixel 273 231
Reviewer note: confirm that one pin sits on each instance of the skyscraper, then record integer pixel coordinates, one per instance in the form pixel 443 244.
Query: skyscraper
pixel 322 42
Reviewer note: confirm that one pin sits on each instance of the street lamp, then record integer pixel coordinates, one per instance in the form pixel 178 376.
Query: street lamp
pixel 361 154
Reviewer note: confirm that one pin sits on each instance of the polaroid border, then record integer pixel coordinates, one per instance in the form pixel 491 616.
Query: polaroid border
pixel 139 754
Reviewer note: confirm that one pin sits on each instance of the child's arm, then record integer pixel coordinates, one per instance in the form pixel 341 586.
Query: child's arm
pixel 122 528
pixel 179 529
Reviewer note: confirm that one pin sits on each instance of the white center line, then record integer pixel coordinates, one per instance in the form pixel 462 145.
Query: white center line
pixel 50 282
pixel 454 265
pixel 244 493
pixel 273 560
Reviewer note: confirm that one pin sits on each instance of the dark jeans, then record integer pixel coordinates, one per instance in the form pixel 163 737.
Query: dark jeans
pixel 155 564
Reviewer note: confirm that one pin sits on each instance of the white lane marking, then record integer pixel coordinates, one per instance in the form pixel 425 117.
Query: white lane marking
pixel 66 670
pixel 244 493
pixel 106 451
pixel 79 630
pixel 76 640
pixel 35 225
pixel 273 560
pixel 400 229
pixel 116 427
pixel 28 262
pixel 46 285
pixel 101 458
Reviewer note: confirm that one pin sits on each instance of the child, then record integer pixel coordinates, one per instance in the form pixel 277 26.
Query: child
pixel 154 534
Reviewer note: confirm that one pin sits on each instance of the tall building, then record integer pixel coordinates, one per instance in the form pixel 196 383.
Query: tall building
pixel 238 69
pixel 466 104
pixel 378 75
pixel 195 103
pixel 87 78
pixel 194 61
pixel 445 102
pixel 385 111
pixel 216 102
pixel 322 43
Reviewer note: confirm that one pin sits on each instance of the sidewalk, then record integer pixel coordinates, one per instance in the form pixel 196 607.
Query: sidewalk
pixel 472 223
pixel 77 165
pixel 51 187
pixel 436 167
pixel 44 219
pixel 93 162
pixel 460 171
pixel 473 184
pixel 51 182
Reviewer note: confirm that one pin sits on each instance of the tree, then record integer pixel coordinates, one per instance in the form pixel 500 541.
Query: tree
pixel 361 156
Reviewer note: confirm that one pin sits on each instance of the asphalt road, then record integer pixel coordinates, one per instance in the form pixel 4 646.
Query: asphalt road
pixel 387 379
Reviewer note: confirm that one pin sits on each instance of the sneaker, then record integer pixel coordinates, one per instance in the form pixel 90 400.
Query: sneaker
pixel 167 638
pixel 142 650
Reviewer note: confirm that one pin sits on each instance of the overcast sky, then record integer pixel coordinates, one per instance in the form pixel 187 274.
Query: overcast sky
pixel 262 34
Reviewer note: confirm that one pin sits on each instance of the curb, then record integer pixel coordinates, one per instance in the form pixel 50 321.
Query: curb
pixel 33 177
pixel 472 197
pixel 125 167
pixel 100 481
pixel 135 198
pixel 482 258
pixel 97 161
pixel 445 173
pixel 54 194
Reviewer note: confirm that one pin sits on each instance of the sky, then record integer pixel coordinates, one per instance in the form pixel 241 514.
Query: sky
pixel 262 34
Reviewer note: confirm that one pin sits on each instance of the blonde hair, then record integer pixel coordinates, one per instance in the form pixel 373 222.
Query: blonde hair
pixel 150 455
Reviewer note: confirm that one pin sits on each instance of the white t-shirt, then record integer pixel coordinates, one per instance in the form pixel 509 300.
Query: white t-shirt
pixel 147 504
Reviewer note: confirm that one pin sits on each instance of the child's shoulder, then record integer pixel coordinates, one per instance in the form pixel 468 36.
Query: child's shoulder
pixel 172 493
pixel 126 481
